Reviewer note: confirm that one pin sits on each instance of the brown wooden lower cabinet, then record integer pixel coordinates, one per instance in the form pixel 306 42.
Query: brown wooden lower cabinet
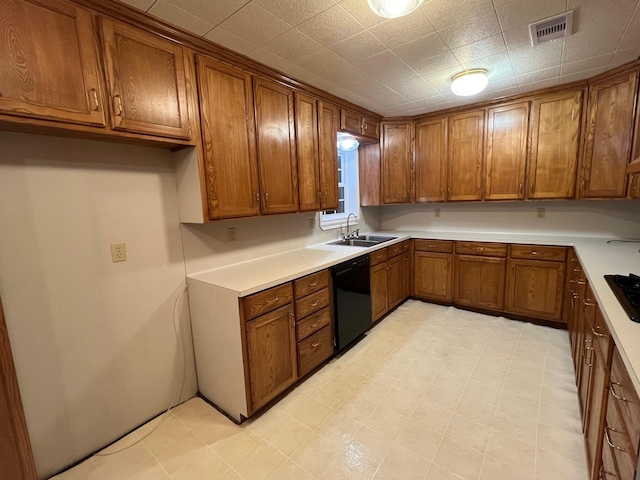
pixel 389 278
pixel 379 287
pixel 479 281
pixel 395 282
pixel 433 274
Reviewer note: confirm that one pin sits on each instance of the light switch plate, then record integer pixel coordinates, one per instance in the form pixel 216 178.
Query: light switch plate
pixel 540 213
pixel 118 252
pixel 437 213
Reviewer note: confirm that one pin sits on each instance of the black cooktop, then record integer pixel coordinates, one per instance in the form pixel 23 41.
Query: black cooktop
pixel 627 289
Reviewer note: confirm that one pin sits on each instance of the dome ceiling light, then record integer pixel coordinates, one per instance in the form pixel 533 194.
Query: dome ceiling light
pixel 347 143
pixel 469 82
pixel 393 8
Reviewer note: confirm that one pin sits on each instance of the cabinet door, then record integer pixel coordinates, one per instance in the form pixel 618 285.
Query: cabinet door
pixel 49 62
pixel 466 145
pixel 588 309
pixel 308 160
pixel 431 160
pixel 433 276
pixel 396 159
pixel 271 351
pixel 145 76
pixel 507 130
pixel 370 128
pixel 395 279
pixel 328 118
pixel 406 275
pixel 479 281
pixel 536 288
pixel 609 134
pixel 555 141
pixel 369 175
pixel 634 186
pixel 276 147
pixel 597 406
pixel 350 122
pixel 231 165
pixel 378 290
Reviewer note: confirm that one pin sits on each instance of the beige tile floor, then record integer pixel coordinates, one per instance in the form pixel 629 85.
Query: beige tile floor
pixel 431 393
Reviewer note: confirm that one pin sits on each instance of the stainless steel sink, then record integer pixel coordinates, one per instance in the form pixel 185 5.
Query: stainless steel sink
pixel 363 241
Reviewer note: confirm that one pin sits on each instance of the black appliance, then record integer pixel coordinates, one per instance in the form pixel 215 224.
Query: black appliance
pixel 352 300
pixel 627 289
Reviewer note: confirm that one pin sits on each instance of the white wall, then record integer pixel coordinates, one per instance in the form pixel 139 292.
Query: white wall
pixel 93 341
pixel 206 246
pixel 610 218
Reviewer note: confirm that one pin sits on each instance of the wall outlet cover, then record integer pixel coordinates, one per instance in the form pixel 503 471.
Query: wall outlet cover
pixel 437 213
pixel 231 234
pixel 540 213
pixel 312 223
pixel 118 252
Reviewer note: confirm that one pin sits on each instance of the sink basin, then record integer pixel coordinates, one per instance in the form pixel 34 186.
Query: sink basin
pixel 363 241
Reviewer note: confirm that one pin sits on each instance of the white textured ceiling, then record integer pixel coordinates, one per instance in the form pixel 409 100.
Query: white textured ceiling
pixel 403 66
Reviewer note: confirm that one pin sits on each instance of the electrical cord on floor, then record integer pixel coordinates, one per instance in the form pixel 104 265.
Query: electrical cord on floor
pixel 180 341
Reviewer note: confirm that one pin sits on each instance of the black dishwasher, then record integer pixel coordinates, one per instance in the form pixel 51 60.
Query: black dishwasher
pixel 352 300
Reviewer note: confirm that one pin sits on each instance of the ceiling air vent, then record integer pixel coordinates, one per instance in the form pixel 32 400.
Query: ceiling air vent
pixel 550 28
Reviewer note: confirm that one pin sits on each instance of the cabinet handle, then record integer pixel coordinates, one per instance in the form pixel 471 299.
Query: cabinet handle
pixel 312 284
pixel 96 102
pixel 521 189
pixel 258 199
pixel 266 199
pixel 449 192
pixel 576 269
pixel 533 187
pixel 272 300
pixel 613 392
pixel 573 301
pixel 319 197
pixel 597 334
pixel 315 304
pixel 479 249
pixel 606 436
pixel 314 325
pixel 533 252
pixel 441 191
pixel 588 304
pixel 119 108
pixel 581 281
pixel 315 345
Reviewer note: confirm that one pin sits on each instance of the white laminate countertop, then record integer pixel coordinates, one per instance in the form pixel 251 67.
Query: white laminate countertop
pixel 598 258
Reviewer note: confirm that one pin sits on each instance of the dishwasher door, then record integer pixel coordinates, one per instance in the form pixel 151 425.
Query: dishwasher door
pixel 352 300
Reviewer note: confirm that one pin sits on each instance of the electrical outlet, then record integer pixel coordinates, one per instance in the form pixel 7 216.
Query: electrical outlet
pixel 437 213
pixel 540 213
pixel 231 234
pixel 312 223
pixel 118 252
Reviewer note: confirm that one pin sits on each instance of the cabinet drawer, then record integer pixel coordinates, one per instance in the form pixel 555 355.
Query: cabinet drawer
pixel 406 246
pixel 313 323
pixel 377 257
pixel 602 335
pixel 616 438
pixel 482 248
pixel 311 283
pixel 314 350
pixel 541 252
pixel 394 250
pixel 266 301
pixel 438 246
pixel 312 303
pixel 624 397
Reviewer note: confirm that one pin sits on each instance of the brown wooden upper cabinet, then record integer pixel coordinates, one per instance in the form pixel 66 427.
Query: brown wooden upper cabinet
pixel 145 81
pixel 231 165
pixel 609 134
pixel 356 124
pixel 431 160
pixel 276 143
pixel 49 62
pixel 555 142
pixel 328 125
pixel 507 130
pixel 396 160
pixel 466 151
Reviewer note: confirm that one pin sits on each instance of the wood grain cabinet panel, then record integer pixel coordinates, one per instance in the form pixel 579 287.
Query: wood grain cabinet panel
pixel 231 163
pixel 276 147
pixel 609 135
pixel 369 175
pixel 314 350
pixel 145 81
pixel 433 276
pixel 479 281
pixel 406 275
pixel 395 282
pixel 49 62
pixel 310 194
pixel 396 159
pixel 267 300
pixel 431 160
pixel 271 352
pixel 350 122
pixel 379 287
pixel 536 288
pixel 370 128
pixel 507 130
pixel 555 142
pixel 328 125
pixel 466 151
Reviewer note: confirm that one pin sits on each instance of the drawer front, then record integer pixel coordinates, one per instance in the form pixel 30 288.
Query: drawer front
pixel 406 246
pixel 312 303
pixel 615 437
pixel 267 301
pixel 539 252
pixel 311 283
pixel 394 250
pixel 624 397
pixel 608 469
pixel 438 246
pixel 314 350
pixel 602 335
pixel 377 257
pixel 313 323
pixel 482 248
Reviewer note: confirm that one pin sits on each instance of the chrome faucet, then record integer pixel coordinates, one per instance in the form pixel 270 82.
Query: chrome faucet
pixel 349 233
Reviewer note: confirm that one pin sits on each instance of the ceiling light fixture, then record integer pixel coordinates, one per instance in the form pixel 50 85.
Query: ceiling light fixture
pixel 347 143
pixel 393 8
pixel 469 82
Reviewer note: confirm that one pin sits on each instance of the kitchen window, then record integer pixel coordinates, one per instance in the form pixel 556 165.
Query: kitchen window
pixel 348 194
